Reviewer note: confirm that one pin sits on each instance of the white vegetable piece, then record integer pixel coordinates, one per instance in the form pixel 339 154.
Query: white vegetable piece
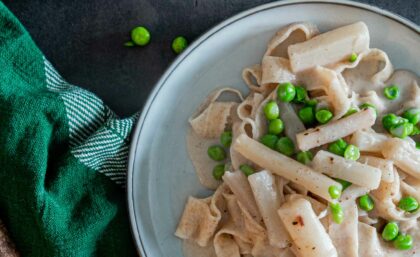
pixel 289 117
pixel 240 187
pixel 334 130
pixel 386 166
pixel 352 171
pixel 268 200
pixel 284 166
pixel 368 141
pixel 308 235
pixel 330 47
pixel 404 154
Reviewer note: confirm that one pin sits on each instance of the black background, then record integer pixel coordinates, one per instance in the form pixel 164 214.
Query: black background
pixel 84 38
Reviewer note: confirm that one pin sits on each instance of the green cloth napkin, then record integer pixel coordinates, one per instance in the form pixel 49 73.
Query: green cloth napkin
pixel 63 158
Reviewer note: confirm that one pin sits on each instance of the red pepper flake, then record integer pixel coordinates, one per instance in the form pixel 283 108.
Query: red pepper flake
pixel 298 221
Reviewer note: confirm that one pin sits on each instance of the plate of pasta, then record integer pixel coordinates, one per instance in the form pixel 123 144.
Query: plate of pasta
pixel 289 130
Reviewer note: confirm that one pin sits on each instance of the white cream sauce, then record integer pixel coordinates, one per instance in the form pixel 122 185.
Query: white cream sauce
pixel 203 165
pixel 358 79
pixel 191 249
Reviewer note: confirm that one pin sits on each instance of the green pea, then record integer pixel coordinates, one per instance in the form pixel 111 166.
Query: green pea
pixel 352 153
pixel 366 203
pixel 140 36
pixel 402 130
pixel 408 204
pixel 226 138
pixel 416 131
pixel 275 127
pixel 403 242
pixel 301 95
pixel 390 231
pixel 392 92
pixel 353 57
pixel 179 44
pixel 344 183
pixel 285 146
pixel 271 110
pixel 269 140
pixel 391 120
pixel 306 115
pixel 311 102
pixel 323 116
pixel 286 92
pixel 304 157
pixel 218 171
pixel 129 44
pixel 338 147
pixel 412 115
pixel 216 153
pixel 246 169
pixel 351 111
pixel 337 213
pixel 368 105
pixel 334 192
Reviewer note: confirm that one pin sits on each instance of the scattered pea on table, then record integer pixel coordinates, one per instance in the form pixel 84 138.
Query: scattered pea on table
pixel 179 44
pixel 140 36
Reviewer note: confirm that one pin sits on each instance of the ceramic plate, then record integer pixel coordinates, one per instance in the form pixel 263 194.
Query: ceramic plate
pixel 160 175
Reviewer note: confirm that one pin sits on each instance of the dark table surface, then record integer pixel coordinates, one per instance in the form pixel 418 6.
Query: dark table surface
pixel 84 39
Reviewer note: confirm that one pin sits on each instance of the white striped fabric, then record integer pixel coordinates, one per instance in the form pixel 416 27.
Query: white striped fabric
pixel 97 137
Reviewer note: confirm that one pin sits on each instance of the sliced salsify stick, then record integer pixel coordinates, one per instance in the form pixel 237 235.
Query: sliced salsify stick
pixel 335 130
pixel 239 185
pixel 368 141
pixel 268 200
pixel 329 47
pixel 386 166
pixel 349 170
pixel 284 166
pixel 305 229
pixel 404 154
